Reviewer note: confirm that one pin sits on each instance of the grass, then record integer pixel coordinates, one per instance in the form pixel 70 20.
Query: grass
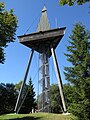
pixel 35 116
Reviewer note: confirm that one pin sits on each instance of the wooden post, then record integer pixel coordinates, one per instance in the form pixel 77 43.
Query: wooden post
pixel 18 106
pixel 58 78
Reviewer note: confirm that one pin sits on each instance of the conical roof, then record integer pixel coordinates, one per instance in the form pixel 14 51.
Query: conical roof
pixel 43 24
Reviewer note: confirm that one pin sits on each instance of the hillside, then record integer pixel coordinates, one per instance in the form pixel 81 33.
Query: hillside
pixel 35 116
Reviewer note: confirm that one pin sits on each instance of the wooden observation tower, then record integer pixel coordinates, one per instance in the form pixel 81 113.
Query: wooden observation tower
pixel 44 41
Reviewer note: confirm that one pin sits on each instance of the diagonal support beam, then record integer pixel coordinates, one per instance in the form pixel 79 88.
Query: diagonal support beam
pixel 18 106
pixel 58 78
pixel 22 101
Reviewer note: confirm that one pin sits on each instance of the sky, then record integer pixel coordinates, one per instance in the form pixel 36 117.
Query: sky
pixel 27 11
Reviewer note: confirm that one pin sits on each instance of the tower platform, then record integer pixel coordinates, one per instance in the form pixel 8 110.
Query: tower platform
pixel 43 40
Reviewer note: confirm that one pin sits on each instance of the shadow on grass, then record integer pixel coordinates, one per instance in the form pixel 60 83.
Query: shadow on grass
pixel 27 118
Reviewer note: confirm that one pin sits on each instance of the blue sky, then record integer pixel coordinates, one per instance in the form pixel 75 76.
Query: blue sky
pixel 26 11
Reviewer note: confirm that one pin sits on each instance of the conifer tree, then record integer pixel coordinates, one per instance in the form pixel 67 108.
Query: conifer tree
pixel 29 102
pixel 78 74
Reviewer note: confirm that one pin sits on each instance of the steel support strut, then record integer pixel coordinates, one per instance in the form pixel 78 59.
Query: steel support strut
pixel 58 78
pixel 18 106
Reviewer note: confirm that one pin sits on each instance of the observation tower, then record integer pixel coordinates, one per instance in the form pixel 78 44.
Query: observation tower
pixel 44 41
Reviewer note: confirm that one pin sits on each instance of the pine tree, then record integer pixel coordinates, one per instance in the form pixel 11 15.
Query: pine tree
pixel 29 102
pixel 78 74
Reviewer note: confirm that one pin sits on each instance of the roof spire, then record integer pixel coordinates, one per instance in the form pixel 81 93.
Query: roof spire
pixel 43 22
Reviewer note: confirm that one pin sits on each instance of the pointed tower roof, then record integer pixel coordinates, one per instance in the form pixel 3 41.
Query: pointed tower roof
pixel 43 22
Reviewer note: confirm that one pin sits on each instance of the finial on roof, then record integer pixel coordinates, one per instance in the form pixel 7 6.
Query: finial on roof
pixel 44 9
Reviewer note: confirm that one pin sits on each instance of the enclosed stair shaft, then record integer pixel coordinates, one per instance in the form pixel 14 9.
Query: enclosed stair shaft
pixel 44 84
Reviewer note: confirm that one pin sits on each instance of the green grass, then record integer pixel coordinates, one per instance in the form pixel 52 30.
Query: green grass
pixel 35 116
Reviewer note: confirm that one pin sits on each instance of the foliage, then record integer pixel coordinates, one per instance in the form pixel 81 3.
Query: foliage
pixel 55 99
pixel 72 2
pixel 79 73
pixel 18 86
pixel 8 25
pixel 7 98
pixel 29 102
pixel 70 95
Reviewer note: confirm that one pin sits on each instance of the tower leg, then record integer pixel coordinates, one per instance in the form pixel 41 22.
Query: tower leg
pixel 58 78
pixel 18 106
